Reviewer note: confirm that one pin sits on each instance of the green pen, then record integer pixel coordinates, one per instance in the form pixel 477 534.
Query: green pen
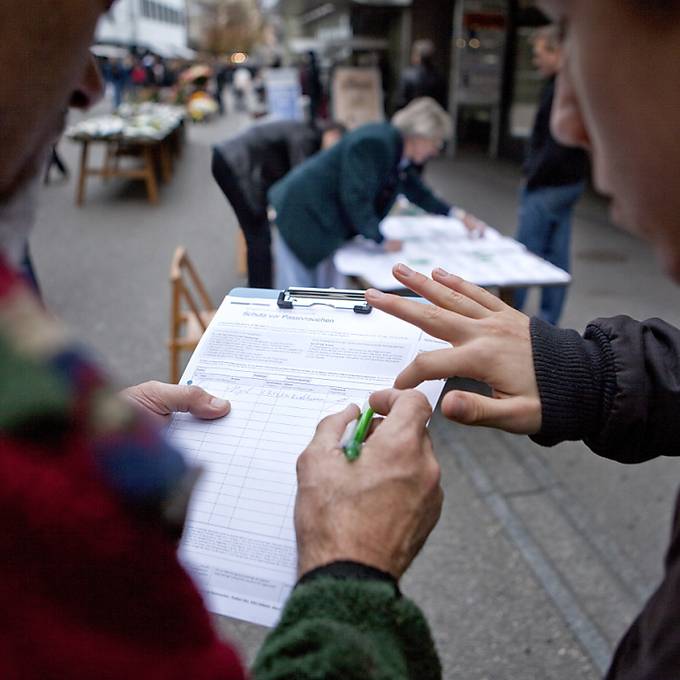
pixel 356 439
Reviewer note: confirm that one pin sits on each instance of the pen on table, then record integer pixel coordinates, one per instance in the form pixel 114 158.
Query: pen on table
pixel 356 433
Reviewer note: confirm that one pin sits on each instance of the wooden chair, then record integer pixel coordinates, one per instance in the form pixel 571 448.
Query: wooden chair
pixel 191 309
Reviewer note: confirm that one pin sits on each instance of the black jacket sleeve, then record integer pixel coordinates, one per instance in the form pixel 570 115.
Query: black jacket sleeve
pixel 650 649
pixel 617 388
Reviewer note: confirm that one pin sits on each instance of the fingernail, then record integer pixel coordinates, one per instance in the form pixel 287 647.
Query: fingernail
pixel 375 294
pixel 218 403
pixel 441 272
pixel 404 270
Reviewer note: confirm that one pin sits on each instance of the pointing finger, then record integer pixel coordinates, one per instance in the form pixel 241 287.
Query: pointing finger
pixel 434 320
pixel 470 290
pixel 438 293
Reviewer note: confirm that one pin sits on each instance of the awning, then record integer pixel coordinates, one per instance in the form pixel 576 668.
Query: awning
pixel 110 51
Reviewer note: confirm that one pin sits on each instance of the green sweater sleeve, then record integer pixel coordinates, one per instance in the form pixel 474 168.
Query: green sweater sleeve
pixel 417 192
pixel 337 629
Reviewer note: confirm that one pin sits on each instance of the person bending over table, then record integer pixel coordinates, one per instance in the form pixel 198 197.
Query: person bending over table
pixel 617 387
pixel 93 496
pixel 245 167
pixel 349 189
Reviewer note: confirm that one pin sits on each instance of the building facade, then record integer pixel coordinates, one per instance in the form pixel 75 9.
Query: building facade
pixel 156 25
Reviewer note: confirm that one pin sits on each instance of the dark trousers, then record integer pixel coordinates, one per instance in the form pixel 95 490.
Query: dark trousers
pixel 545 229
pixel 253 222
pixel 259 243
pixel 55 159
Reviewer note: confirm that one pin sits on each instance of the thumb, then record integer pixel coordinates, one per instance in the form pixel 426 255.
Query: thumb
pixel 519 415
pixel 200 403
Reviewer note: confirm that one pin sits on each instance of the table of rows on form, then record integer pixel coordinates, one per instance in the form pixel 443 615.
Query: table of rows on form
pixel 248 458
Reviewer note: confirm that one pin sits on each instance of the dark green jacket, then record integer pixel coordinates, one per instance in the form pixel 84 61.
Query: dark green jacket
pixel 348 630
pixel 345 191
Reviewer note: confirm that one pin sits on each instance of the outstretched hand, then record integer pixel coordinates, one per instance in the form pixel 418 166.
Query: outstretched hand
pixel 161 400
pixel 490 342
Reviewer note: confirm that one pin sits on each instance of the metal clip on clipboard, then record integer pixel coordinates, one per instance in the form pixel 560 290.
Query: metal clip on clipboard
pixel 337 298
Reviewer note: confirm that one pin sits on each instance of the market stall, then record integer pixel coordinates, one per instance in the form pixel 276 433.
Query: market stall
pixel 152 134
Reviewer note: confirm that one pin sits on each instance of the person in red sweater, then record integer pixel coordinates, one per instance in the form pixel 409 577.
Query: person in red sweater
pixel 92 497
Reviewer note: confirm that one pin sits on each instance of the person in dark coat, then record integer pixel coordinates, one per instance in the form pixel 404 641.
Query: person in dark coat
pixel 310 78
pixel 348 190
pixel 617 385
pixel 554 182
pixel 422 79
pixel 94 495
pixel 247 165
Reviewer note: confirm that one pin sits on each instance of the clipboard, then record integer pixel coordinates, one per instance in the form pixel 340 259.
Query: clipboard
pixel 283 368
pixel 337 298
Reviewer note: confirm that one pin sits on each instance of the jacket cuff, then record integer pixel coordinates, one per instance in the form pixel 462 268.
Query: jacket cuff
pixel 571 373
pixel 345 570
pixel 348 629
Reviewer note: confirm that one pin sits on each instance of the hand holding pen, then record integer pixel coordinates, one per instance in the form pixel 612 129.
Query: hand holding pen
pixel 356 432
pixel 380 508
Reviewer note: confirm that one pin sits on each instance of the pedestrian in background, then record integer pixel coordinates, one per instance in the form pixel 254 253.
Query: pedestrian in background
pixel 119 75
pixel 422 79
pixel 310 82
pixel 554 181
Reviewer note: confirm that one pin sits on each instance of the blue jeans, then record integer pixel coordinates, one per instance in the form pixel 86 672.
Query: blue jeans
pixel 545 229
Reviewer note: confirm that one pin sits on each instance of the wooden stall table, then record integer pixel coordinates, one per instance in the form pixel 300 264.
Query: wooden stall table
pixel 494 261
pixel 153 136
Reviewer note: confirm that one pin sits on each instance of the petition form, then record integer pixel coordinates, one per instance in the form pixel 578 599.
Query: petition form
pixel 282 371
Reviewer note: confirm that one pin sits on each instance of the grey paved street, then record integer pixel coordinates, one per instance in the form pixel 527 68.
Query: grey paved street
pixel 542 556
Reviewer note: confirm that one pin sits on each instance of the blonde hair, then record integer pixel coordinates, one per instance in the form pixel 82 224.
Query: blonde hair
pixel 423 117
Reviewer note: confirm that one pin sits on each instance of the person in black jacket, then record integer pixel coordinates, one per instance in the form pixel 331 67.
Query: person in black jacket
pixel 247 165
pixel 422 79
pixel 554 182
pixel 617 386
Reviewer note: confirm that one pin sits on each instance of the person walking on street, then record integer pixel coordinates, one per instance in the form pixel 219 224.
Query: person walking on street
pixel 422 79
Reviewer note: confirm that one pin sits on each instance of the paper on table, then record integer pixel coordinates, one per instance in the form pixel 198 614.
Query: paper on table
pixel 430 242
pixel 282 370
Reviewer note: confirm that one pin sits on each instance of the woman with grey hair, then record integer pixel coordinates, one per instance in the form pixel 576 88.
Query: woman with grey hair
pixel 349 189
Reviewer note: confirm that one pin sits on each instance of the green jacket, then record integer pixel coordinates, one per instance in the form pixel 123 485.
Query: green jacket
pixel 345 191
pixel 348 630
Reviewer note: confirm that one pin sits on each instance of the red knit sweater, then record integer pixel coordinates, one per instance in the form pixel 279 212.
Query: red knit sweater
pixel 90 585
